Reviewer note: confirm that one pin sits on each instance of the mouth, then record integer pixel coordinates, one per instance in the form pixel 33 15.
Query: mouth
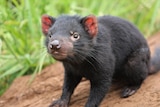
pixel 58 55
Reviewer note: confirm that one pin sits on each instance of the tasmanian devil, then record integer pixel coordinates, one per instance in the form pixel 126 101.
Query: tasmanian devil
pixel 99 49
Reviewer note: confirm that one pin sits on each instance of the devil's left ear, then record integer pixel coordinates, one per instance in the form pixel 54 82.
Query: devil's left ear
pixel 47 21
pixel 90 25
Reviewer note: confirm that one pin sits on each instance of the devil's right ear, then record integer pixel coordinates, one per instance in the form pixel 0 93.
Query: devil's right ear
pixel 47 21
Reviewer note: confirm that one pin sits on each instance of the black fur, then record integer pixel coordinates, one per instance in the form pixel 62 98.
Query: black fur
pixel 118 50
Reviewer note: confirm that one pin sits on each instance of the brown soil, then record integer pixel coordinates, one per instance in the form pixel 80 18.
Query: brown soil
pixel 47 87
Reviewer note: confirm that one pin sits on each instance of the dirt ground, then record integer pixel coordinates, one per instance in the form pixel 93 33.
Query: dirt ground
pixel 47 87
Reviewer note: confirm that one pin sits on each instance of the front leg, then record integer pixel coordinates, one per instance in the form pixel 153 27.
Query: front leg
pixel 70 82
pixel 98 91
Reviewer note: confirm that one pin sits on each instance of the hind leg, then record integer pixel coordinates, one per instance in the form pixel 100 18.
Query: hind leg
pixel 136 70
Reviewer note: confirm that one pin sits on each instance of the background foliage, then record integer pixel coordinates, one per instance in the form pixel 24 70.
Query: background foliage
pixel 22 49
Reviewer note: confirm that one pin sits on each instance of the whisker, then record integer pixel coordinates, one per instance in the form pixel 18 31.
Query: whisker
pixel 88 61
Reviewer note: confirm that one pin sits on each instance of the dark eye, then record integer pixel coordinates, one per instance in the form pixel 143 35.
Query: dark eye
pixel 74 36
pixel 49 35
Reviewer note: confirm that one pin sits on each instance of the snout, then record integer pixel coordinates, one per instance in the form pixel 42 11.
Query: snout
pixel 55 45
pixel 60 48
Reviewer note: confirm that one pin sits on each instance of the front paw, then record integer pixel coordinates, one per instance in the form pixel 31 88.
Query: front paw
pixel 59 103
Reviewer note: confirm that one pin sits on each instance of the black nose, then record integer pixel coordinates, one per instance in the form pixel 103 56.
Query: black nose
pixel 55 44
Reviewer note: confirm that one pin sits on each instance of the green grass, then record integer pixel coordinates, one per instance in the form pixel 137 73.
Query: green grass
pixel 22 48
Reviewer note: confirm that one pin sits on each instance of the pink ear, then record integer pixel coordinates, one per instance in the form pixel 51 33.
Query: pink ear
pixel 90 24
pixel 47 22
